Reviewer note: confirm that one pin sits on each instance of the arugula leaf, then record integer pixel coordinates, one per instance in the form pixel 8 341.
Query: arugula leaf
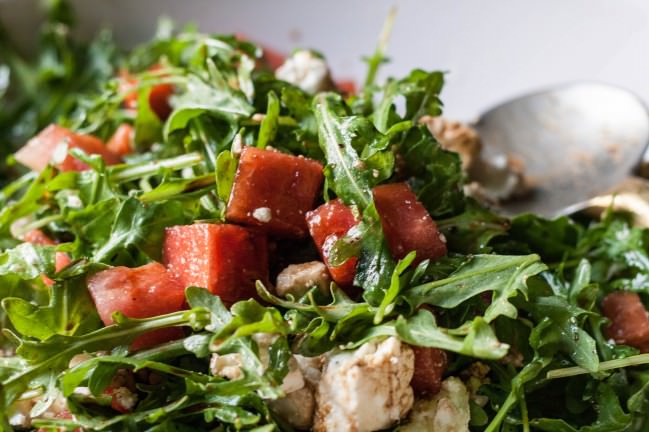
pixel 434 174
pixel 27 261
pixel 219 314
pixel 55 353
pixel 375 263
pixel 550 239
pixel 420 90
pixel 226 168
pixel 27 204
pixel 472 231
pixel 48 85
pixel 269 125
pixel 611 416
pixel 148 127
pixel 387 304
pixel 344 167
pixel 560 326
pixel 69 312
pixel 140 225
pixel 504 275
pixel 179 189
pixel 200 96
pixel 475 339
pixel 249 317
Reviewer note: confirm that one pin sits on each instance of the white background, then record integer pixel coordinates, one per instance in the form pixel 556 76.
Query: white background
pixel 493 49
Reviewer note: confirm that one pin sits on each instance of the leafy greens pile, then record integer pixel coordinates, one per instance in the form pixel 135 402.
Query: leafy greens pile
pixel 521 297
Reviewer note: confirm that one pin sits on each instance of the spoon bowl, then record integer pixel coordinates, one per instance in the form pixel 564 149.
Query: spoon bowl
pixel 575 141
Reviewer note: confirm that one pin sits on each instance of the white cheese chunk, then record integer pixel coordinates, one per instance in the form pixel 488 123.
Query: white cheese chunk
pixel 305 70
pixel 367 389
pixel 448 411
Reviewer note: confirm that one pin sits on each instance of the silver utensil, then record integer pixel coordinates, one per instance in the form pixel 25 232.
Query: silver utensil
pixel 576 142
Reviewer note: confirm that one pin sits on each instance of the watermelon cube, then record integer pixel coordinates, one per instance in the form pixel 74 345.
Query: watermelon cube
pixel 430 365
pixel 52 145
pixel 406 223
pixel 226 259
pixel 629 320
pixel 140 292
pixel 158 96
pixel 121 143
pixel 327 224
pixel 273 191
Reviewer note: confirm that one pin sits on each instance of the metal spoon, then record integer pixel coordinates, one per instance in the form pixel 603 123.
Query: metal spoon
pixel 576 142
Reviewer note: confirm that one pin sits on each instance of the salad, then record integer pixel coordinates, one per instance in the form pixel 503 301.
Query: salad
pixel 198 236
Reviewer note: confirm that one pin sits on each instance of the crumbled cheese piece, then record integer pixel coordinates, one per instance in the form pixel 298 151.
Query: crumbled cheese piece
pixel 227 365
pixel 367 389
pixel 311 368
pixel 262 214
pixel 19 420
pixel 237 145
pixel 125 398
pixel 78 359
pixel 294 380
pixel 297 279
pixel 73 201
pixel 307 71
pixel 60 153
pixel 187 172
pixel 448 411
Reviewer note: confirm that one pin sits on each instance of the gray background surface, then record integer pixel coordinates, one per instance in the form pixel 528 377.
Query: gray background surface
pixel 492 49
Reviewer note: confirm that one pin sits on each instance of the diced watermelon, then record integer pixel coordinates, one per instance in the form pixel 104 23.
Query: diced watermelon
pixel 52 144
pixel 140 292
pixel 327 224
pixel 406 223
pixel 430 365
pixel 121 143
pixel 273 191
pixel 38 237
pixel 159 100
pixel 272 58
pixel 346 86
pixel 61 259
pixel 158 97
pixel 226 259
pixel 629 319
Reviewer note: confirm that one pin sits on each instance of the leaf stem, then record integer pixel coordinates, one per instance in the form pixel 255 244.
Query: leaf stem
pixel 124 173
pixel 378 57
pixel 281 121
pixel 39 223
pixel 524 413
pixel 104 338
pixel 502 412
pixel 635 360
